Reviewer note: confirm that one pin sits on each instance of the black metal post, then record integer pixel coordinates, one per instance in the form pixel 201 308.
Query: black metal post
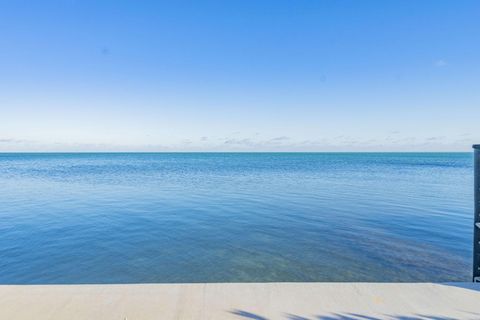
pixel 476 227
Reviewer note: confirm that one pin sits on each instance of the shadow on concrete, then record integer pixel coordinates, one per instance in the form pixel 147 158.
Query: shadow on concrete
pixel 355 316
pixel 247 315
pixel 342 316
pixel 290 316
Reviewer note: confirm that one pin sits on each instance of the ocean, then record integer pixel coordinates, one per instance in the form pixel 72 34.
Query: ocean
pixel 235 217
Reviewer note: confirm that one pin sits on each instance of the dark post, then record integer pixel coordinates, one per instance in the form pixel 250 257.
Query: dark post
pixel 476 227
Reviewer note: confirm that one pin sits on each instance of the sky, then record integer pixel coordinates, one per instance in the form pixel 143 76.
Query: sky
pixel 239 75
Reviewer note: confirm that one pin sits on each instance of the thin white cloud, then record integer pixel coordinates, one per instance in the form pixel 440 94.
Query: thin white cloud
pixel 245 142
pixel 438 138
pixel 279 139
pixel 440 63
pixel 15 141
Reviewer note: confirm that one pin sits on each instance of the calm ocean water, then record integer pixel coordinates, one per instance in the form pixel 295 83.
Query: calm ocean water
pixel 226 217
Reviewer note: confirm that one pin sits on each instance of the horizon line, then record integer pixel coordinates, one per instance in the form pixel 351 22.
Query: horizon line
pixel 117 152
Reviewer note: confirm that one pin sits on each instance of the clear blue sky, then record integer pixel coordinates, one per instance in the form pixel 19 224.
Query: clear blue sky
pixel 239 75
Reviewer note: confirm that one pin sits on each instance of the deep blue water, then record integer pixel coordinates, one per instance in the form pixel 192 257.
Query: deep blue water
pixel 225 217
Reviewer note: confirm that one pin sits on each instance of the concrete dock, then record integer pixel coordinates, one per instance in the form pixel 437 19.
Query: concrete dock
pixel 258 301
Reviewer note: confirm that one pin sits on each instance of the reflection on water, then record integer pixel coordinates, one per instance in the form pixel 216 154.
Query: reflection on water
pixel 199 217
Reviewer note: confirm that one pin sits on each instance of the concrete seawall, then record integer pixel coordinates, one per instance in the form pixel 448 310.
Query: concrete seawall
pixel 258 301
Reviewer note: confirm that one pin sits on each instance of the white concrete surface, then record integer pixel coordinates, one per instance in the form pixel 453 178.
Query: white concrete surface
pixel 258 301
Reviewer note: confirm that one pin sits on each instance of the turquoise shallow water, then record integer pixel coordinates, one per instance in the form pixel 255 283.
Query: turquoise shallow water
pixel 229 217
